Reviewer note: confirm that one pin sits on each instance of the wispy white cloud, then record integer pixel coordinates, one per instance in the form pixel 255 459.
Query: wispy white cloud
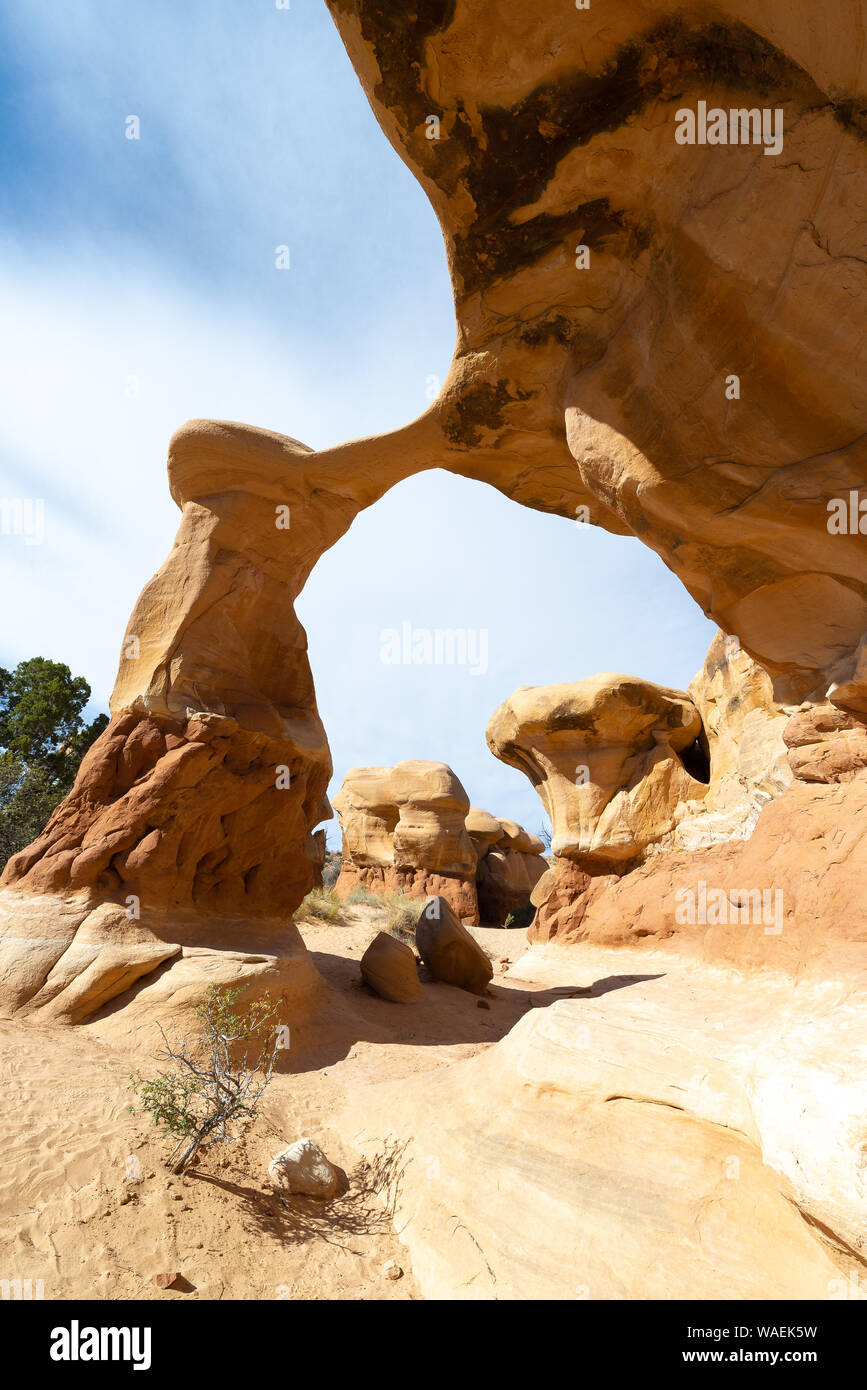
pixel 150 265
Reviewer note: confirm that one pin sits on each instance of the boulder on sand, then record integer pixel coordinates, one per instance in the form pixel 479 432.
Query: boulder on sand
pixel 389 968
pixel 449 951
pixel 303 1168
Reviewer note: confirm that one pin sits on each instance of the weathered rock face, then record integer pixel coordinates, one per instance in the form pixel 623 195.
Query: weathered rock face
pixel 510 864
pixel 826 744
pixel 789 898
pixel 404 828
pixel 68 960
pixel 662 334
pixel 182 813
pixel 607 756
pixel 785 875
pixel 742 732
pixel 668 1131
pixel 167 852
pixel 535 133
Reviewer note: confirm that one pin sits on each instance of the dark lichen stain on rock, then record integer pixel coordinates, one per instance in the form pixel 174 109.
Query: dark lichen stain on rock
pixel 479 407
pixel 491 250
pixel 523 144
pixel 397 34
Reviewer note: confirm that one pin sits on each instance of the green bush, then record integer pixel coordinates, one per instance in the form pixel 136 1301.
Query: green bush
pixel 43 739
pixel 210 1088
pixel 521 917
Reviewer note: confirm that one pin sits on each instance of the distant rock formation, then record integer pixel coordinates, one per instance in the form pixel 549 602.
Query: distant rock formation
pixel 404 828
pixel 411 828
pixel 510 864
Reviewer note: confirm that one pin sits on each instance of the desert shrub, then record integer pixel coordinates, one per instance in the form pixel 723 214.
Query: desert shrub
pixel 208 1088
pixel 521 916
pixel 360 894
pixel 331 870
pixel 405 921
pixel 319 903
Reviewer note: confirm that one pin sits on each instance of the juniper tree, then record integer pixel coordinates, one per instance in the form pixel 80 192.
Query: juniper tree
pixel 216 1079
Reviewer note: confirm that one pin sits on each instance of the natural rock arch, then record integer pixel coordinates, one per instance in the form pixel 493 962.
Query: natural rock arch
pixel 600 388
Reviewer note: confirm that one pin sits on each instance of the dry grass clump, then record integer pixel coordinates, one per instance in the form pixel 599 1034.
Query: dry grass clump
pixel 321 904
pixel 399 912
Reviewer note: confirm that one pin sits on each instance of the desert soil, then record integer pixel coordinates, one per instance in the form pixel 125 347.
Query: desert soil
pixel 88 1206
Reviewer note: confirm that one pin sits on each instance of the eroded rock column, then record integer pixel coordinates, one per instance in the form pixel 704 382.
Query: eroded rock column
pixel 190 827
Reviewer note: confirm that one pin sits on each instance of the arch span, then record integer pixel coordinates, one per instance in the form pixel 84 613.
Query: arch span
pixel 693 380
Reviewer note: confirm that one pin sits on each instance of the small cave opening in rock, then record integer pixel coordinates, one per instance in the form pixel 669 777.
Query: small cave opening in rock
pixel 696 759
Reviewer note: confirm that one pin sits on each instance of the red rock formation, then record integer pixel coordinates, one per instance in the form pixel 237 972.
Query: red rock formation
pixel 807 861
pixel 690 377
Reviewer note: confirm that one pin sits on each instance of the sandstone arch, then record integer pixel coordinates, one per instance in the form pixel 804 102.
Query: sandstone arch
pixel 599 389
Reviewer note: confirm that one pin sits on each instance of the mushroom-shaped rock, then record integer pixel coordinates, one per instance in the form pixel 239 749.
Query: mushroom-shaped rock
pixel 483 829
pixel 404 828
pixel 409 816
pixel 368 814
pixel 606 756
pixel 519 840
pixel 303 1168
pixel 388 967
pixel 431 831
pixel 449 951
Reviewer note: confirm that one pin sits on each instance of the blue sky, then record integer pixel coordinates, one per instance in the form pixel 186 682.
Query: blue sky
pixel 138 289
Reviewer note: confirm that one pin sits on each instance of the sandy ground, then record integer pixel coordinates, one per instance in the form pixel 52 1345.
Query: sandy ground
pixel 88 1207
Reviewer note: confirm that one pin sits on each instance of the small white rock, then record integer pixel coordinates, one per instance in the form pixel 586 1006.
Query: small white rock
pixel 392 1270
pixel 303 1168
